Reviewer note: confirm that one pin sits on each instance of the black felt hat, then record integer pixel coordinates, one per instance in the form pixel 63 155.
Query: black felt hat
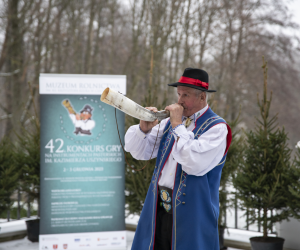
pixel 193 78
pixel 87 108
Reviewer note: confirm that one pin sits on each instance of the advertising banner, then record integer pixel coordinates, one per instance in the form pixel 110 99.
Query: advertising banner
pixel 82 164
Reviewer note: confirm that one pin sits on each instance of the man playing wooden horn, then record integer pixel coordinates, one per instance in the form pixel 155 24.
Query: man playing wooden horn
pixel 182 205
pixel 82 121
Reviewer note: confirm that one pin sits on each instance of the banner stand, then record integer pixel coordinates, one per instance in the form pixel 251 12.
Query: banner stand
pixel 82 164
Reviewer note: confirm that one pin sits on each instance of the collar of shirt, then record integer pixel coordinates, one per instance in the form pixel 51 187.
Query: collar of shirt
pixel 196 115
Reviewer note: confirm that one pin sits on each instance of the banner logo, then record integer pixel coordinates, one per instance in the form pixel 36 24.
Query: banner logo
pixel 82 120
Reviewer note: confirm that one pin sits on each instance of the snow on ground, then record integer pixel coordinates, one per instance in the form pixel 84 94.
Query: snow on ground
pixel 24 244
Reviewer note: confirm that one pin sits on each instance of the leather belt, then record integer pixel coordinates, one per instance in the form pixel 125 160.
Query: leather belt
pixel 165 196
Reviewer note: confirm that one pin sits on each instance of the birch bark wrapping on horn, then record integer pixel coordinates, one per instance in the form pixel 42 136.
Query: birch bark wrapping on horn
pixel 131 108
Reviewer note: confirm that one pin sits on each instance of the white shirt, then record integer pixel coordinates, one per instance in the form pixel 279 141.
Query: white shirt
pixel 197 157
pixel 83 124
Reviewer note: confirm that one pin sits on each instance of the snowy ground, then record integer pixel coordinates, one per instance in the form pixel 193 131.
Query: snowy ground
pixel 7 228
pixel 25 244
pixel 19 226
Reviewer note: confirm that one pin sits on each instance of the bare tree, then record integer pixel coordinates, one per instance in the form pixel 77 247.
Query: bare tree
pixel 151 42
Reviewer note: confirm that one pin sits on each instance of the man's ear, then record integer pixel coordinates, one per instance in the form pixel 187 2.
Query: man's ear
pixel 203 96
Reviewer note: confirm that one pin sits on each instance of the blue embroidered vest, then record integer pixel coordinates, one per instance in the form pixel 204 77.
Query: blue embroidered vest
pixel 195 199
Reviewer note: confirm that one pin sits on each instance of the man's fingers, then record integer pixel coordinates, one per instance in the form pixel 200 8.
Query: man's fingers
pixel 154 109
pixel 170 107
pixel 173 106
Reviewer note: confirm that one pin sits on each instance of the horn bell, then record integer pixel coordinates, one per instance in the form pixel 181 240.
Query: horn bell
pixel 126 105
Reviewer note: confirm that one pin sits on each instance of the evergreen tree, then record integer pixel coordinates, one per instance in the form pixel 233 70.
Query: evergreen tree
pixel 233 159
pixel 28 160
pixel 295 175
pixel 9 174
pixel 137 183
pixel 266 183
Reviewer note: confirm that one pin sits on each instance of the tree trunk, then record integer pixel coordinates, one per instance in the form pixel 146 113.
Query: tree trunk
pixel 265 223
pixel 14 64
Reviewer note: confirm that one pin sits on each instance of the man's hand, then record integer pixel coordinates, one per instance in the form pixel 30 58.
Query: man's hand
pixel 176 111
pixel 147 126
pixel 78 117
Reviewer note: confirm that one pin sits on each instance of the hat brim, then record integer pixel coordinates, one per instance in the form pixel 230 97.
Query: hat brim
pixel 85 111
pixel 191 86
